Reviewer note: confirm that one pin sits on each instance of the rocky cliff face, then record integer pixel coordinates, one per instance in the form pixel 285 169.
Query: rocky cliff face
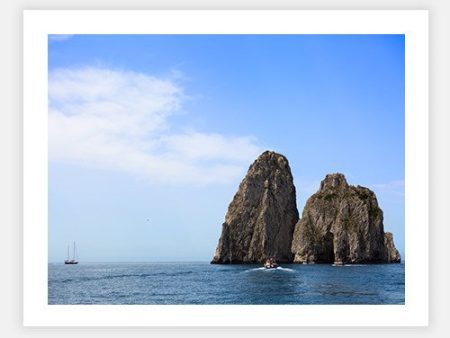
pixel 342 224
pixel 393 256
pixel 261 217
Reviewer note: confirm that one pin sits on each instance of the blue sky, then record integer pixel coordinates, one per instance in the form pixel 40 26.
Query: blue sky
pixel 150 135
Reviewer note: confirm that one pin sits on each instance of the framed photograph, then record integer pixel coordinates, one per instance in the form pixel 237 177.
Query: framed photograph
pixel 225 168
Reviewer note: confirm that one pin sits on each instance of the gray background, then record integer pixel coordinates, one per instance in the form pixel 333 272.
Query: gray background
pixel 11 167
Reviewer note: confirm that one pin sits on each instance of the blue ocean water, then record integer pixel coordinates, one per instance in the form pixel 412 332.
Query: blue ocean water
pixel 204 283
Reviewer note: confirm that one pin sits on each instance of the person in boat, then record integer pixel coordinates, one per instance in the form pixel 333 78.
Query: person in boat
pixel 270 263
pixel 273 264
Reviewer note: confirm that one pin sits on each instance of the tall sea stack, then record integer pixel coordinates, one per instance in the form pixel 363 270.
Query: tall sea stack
pixel 262 215
pixel 342 224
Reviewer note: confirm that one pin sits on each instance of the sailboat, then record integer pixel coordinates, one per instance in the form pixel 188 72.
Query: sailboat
pixel 74 256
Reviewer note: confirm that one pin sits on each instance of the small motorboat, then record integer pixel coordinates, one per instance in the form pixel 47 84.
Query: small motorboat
pixel 270 264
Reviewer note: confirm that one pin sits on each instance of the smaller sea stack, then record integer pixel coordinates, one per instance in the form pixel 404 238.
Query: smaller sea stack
pixel 342 224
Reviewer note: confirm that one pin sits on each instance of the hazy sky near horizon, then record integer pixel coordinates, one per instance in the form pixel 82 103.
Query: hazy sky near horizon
pixel 150 135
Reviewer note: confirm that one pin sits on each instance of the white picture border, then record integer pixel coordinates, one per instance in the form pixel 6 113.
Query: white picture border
pixel 39 23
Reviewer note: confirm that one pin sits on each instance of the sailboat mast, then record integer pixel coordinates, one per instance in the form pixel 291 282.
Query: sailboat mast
pixel 73 255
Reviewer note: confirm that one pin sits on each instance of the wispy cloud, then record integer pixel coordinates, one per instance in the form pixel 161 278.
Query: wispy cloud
pixel 59 37
pixel 121 120
pixel 395 187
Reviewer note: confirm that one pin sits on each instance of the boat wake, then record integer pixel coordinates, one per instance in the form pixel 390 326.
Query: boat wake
pixel 285 269
pixel 272 269
pixel 256 269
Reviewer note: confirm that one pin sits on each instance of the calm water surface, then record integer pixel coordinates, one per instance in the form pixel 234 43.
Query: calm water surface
pixel 203 283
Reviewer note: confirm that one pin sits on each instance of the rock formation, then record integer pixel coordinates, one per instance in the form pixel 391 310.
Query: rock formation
pixel 393 256
pixel 261 217
pixel 342 224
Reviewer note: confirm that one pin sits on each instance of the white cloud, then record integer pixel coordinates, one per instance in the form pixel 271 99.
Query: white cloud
pixel 393 189
pixel 121 120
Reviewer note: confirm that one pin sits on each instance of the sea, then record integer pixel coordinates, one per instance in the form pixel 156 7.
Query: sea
pixel 204 283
